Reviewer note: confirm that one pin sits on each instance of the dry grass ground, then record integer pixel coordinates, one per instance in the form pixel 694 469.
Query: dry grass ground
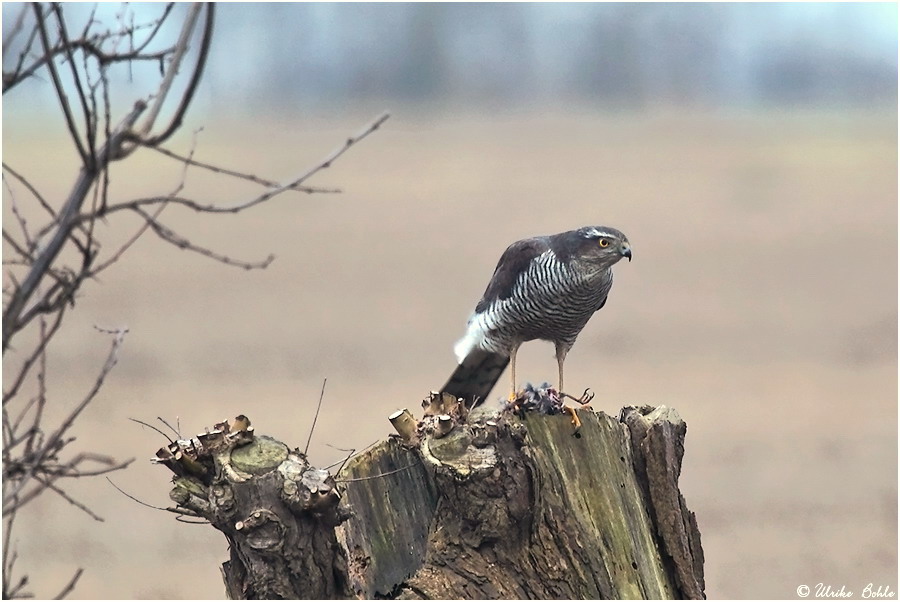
pixel 761 303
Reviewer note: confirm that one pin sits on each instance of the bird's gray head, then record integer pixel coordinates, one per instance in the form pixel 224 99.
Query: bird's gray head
pixel 602 245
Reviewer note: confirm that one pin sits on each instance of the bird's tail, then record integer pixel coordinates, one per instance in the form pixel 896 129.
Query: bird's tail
pixel 476 375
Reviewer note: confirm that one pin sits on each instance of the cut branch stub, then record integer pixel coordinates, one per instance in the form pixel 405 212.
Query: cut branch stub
pixel 404 424
pixel 277 512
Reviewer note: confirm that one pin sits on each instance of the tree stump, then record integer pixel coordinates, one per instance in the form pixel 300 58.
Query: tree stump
pixel 498 507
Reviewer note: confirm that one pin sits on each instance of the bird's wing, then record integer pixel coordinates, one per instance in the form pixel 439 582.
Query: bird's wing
pixel 476 375
pixel 479 370
pixel 513 262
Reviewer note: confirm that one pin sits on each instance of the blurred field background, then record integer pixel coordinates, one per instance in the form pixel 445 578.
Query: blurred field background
pixel 761 302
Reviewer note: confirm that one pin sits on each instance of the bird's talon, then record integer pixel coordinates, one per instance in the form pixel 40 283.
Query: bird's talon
pixel 585 398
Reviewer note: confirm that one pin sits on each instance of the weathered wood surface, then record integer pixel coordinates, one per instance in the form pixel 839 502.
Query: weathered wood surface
pixel 658 436
pixel 391 510
pixel 500 507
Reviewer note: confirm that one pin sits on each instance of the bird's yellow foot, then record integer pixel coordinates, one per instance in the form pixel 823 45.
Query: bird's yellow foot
pixel 576 422
pixel 514 403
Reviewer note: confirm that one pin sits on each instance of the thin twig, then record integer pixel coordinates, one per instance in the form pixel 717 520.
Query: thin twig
pixel 177 431
pixel 17 247
pixel 40 199
pixel 8 559
pixel 147 223
pixel 70 586
pixel 179 241
pixel 158 26
pixel 188 95
pixel 183 519
pixel 41 465
pixel 127 245
pixel 237 174
pixel 150 426
pixel 72 501
pixel 111 360
pixel 346 459
pixel 182 511
pixel 16 28
pixel 89 48
pixel 23 225
pixel 89 130
pixel 44 204
pixel 26 365
pixel 15 77
pixel 315 418
pixel 322 165
pixel 58 86
pixel 353 453
pixel 12 321
pixel 41 398
pixel 377 476
pixel 293 184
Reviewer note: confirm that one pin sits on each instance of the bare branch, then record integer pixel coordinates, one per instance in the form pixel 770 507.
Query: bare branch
pixel 67 218
pixel 175 430
pixel 150 426
pixel 69 499
pixel 237 174
pixel 16 28
pixel 70 586
pixel 147 223
pixel 41 397
pixel 89 126
pixel 209 208
pixel 12 77
pixel 181 48
pixel 324 164
pixel 375 476
pixel 26 255
pixel 26 365
pixel 37 195
pixel 172 237
pixel 315 418
pixel 42 467
pixel 188 94
pixel 50 260
pixel 51 446
pixel 181 511
pixel 90 46
pixel 9 557
pixel 111 360
pixel 60 90
pixel 134 238
pixel 23 225
pixel 157 26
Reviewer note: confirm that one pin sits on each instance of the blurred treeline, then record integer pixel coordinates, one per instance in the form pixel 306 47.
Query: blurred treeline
pixel 612 54
pixel 628 55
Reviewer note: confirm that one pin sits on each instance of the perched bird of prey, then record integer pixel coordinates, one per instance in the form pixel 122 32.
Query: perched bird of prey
pixel 545 287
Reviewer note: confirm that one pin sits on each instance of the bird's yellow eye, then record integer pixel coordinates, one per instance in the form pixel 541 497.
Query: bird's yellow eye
pixel 604 242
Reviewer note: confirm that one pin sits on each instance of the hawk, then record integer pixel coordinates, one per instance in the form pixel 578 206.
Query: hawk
pixel 547 288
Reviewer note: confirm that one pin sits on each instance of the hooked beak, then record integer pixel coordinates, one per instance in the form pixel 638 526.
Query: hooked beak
pixel 625 251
